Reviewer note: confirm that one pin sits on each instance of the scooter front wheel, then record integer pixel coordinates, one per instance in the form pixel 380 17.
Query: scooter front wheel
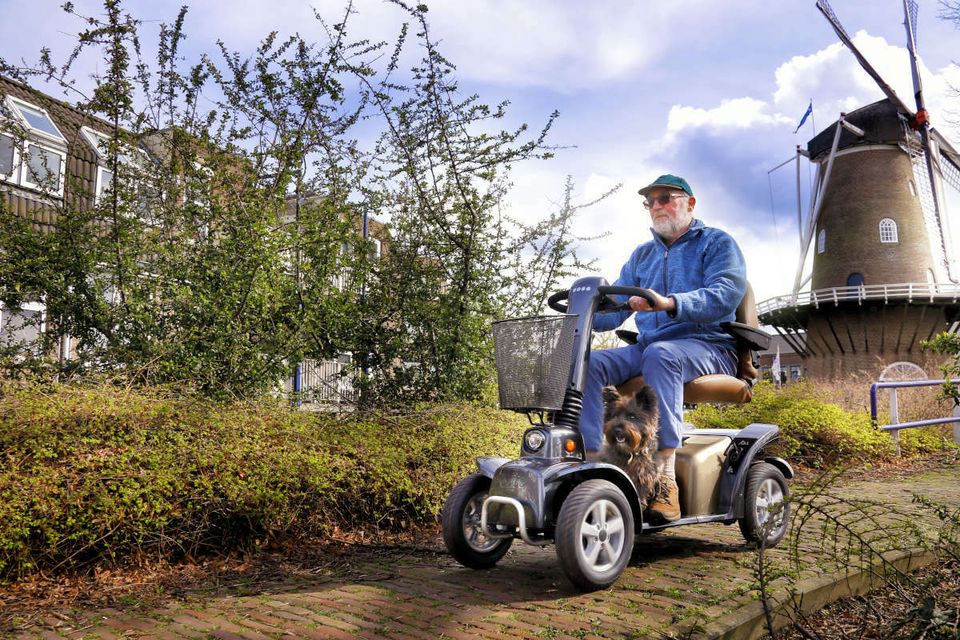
pixel 766 505
pixel 465 539
pixel 594 534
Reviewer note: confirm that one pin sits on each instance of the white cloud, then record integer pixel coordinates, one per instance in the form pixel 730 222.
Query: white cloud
pixel 736 113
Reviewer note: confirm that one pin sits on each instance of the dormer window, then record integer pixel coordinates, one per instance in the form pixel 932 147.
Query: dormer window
pixel 33 152
pixel 36 120
pixel 101 145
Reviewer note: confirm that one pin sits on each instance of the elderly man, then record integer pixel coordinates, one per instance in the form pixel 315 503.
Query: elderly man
pixel 699 277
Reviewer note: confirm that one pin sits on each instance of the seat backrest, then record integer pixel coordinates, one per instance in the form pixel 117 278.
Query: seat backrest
pixel 747 314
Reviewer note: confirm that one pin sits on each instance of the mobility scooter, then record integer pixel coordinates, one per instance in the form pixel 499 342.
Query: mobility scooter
pixel 592 511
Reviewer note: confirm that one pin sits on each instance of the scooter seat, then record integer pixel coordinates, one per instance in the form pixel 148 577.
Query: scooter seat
pixel 715 387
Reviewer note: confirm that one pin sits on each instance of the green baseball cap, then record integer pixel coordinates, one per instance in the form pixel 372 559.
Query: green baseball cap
pixel 669 181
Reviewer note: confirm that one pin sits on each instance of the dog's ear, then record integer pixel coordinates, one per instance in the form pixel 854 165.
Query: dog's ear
pixel 610 395
pixel 646 399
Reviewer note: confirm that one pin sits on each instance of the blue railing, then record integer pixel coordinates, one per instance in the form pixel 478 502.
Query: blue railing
pixel 895 425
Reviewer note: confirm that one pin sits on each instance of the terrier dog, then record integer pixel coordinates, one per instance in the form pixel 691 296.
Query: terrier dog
pixel 630 437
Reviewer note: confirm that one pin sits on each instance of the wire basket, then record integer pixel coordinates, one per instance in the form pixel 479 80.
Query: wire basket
pixel 533 361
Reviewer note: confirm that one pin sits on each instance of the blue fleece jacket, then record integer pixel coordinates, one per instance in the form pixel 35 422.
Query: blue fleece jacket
pixel 703 271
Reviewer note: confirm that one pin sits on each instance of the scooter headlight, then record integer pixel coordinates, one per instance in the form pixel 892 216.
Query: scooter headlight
pixel 534 440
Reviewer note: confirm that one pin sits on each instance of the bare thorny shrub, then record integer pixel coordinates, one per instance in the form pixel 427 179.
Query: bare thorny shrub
pixel 833 531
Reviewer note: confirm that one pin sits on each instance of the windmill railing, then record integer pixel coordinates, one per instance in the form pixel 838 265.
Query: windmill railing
pixel 903 292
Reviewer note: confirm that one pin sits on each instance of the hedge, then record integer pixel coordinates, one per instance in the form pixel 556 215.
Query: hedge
pixel 815 432
pixel 105 475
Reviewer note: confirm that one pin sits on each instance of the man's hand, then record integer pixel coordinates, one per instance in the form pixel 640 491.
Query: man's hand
pixel 663 303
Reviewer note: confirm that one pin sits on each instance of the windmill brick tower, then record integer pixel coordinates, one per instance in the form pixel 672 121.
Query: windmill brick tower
pixel 881 280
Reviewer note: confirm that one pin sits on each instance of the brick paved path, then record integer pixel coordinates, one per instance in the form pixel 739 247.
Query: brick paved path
pixel 691 575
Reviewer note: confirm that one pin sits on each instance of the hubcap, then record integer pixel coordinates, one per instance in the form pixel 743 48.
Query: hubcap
pixel 472 531
pixel 602 535
pixel 769 507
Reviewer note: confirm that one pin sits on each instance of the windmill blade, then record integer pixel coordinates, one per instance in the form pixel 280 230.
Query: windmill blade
pixel 888 91
pixel 949 165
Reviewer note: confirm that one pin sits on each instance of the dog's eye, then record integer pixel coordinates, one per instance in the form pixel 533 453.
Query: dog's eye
pixel 632 416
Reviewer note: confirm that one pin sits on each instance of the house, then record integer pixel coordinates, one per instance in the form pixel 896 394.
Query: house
pixel 54 158
pixel 50 154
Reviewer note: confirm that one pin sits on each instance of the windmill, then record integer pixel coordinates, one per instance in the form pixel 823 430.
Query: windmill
pixel 882 278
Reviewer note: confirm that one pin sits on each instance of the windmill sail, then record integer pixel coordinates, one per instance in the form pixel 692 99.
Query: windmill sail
pixel 888 91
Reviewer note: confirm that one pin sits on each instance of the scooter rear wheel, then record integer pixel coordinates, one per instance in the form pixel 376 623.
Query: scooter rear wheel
pixel 462 534
pixel 594 534
pixel 766 506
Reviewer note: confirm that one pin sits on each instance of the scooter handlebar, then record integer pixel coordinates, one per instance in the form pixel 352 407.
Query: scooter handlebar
pixel 640 292
pixel 555 301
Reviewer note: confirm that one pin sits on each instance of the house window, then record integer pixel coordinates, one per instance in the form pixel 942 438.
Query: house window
pixel 888 231
pixel 822 241
pixel 43 169
pixel 9 158
pixel 21 327
pixel 36 120
pixel 126 156
pixel 38 160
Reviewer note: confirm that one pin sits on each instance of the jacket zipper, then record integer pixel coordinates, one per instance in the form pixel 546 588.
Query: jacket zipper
pixel 663 290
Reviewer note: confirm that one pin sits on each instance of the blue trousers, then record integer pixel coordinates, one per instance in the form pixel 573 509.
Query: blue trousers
pixel 665 366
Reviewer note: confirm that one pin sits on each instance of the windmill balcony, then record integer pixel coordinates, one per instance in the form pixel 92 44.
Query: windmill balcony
pixel 902 292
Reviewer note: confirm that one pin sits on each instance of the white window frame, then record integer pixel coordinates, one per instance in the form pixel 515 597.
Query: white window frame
pixel 16 103
pixel 822 241
pixel 25 168
pixel 376 248
pixel 127 156
pixel 889 232
pixel 15 167
pixel 98 188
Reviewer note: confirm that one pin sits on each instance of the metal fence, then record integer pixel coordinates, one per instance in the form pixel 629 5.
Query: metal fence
pixel 320 382
pixel 895 425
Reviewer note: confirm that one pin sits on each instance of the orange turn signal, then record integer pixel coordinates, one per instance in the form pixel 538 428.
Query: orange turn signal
pixel 570 446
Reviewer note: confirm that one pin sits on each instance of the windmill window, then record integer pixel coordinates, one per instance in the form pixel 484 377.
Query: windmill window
pixel 888 231
pixel 36 119
pixel 822 241
pixel 912 187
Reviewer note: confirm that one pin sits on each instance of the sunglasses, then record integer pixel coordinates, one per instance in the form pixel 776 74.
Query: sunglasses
pixel 662 199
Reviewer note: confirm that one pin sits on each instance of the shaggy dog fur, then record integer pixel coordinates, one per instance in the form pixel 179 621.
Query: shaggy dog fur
pixel 630 437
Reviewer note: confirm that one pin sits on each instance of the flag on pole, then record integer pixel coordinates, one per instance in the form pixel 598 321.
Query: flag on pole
pixel 806 114
pixel 775 367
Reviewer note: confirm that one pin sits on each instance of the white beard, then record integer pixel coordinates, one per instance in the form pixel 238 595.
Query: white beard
pixel 672 228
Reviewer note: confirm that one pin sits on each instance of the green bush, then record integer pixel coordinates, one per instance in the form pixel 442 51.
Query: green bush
pixel 812 431
pixel 106 475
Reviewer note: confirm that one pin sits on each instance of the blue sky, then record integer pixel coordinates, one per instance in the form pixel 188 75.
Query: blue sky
pixel 708 89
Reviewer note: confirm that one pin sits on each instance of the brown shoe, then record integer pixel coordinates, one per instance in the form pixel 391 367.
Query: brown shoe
pixel 665 507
